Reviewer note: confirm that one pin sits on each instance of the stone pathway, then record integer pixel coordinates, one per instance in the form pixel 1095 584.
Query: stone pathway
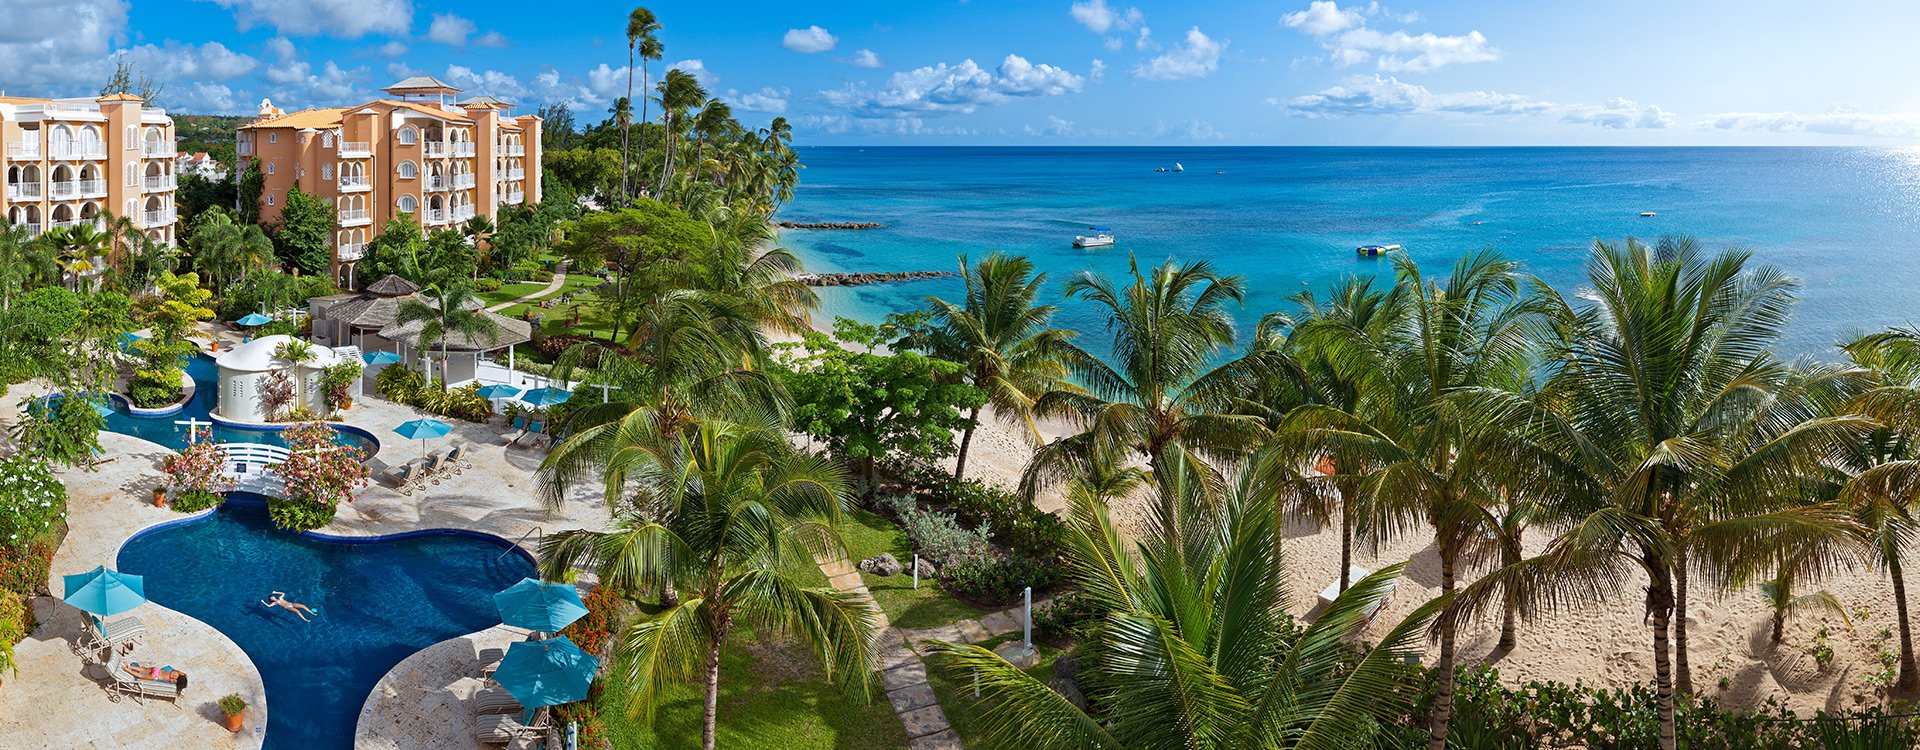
pixel 559 280
pixel 904 675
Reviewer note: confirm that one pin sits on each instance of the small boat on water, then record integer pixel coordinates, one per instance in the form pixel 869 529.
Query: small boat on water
pixel 1178 168
pixel 1102 239
pixel 1372 251
pixel 1160 169
pixel 1647 214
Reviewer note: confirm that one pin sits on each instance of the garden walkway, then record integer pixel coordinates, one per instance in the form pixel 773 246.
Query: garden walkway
pixel 903 674
pixel 559 280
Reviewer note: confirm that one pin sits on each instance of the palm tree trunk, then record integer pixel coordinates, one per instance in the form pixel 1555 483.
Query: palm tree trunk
pixel 713 686
pixel 1909 677
pixel 1509 632
pixel 1660 611
pixel 1779 623
pixel 1682 672
pixel 1346 543
pixel 643 104
pixel 626 167
pixel 1443 671
pixel 966 440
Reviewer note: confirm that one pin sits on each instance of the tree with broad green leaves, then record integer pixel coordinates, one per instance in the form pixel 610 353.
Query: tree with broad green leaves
pixel 647 246
pixel 252 185
pixel 24 264
pixel 182 305
pixel 866 405
pixel 395 250
pixel 306 224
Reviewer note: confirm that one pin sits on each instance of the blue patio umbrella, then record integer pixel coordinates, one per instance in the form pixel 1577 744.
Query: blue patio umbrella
pixel 380 358
pixel 500 390
pixel 544 397
pixel 254 319
pixel 539 606
pixel 546 673
pixel 106 592
pixel 423 430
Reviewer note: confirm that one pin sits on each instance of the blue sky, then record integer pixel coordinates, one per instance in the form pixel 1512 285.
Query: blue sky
pixel 1624 72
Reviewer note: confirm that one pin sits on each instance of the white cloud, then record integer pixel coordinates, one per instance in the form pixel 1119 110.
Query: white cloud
pixel 694 67
pixel 493 39
pixel 549 87
pixel 397 70
pixel 831 124
pixel 1197 57
pixel 1843 121
pixel 1349 41
pixel 1619 114
pixel 1058 126
pixel 1098 18
pixel 768 99
pixel 962 88
pixel 490 82
pixel 865 58
pixel 1375 95
pixel 1145 40
pixel 296 81
pixel 1112 43
pixel 175 61
pixel 1190 129
pixel 809 40
pixel 59 47
pixel 1097 71
pixel 608 83
pixel 1322 17
pixel 391 49
pixel 450 29
pixel 205 98
pixel 341 18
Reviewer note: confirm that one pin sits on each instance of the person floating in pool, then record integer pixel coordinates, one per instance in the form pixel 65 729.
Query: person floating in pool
pixel 279 599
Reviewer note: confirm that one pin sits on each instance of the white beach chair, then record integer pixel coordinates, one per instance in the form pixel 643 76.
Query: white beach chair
pixel 458 458
pixel 112 635
pixel 436 465
pixel 141 689
pixel 403 478
pixel 1354 574
pixel 501 729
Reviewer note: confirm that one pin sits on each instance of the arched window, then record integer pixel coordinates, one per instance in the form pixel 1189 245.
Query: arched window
pixel 133 174
pixel 408 171
pixel 408 136
pixel 326 171
pixel 273 137
pixel 408 204
pixel 133 137
pixel 326 139
pixel 269 167
pixel 269 200
pixel 133 207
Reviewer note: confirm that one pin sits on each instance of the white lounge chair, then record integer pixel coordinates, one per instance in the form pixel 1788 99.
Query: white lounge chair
pixel 500 729
pixel 112 635
pixel 141 689
pixel 1354 574
pixel 435 466
pixel 404 478
pixel 458 458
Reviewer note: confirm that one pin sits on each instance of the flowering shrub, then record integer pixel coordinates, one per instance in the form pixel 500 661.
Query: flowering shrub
pixel 593 629
pixel 200 466
pixel 24 567
pixel 318 475
pixel 31 499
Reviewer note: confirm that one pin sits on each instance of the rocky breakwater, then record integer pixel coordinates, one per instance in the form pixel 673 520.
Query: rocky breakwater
pixel 830 225
pixel 857 279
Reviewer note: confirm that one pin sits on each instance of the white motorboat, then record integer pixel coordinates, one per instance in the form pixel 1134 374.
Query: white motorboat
pixel 1103 239
pixel 1647 214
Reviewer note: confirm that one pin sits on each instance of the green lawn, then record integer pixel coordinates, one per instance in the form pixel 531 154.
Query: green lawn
pixel 771 696
pixel 867 535
pixel 512 291
pixel 957 702
pixel 594 320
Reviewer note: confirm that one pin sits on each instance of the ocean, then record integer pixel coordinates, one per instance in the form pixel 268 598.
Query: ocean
pixel 1844 221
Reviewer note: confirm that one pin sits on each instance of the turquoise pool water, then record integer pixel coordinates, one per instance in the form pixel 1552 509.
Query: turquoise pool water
pixel 206 378
pixel 379 601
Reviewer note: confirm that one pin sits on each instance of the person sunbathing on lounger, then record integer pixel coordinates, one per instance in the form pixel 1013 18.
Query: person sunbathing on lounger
pixel 279 599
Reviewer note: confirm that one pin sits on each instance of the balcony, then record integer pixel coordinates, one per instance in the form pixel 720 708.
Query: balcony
pixel 461 181
pixel 355 218
pixel 23 191
pixel 79 151
pixel 93 188
pixel 437 184
pixel 158 183
pixel 435 149
pixel 463 148
pixel 64 189
pixel 354 184
pixel 516 174
pixel 350 252
pixel 356 149
pixel 159 218
pixel 436 217
pixel 462 213
pixel 29 151
pixel 33 230
pixel 71 223
pixel 514 151
pixel 159 149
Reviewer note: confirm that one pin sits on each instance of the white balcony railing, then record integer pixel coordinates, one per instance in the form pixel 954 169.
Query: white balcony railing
pixel 71 223
pixel 462 213
pixel 437 183
pixel 79 151
pixel 437 216
pixel 153 149
pixel 93 188
pixel 350 252
pixel 515 151
pixel 33 230
pixel 356 149
pixel 355 218
pixel 66 188
pixel 463 181
pixel 23 191
pixel 159 182
pixel 516 174
pixel 516 197
pixel 463 148
pixel 435 149
pixel 159 218
pixel 354 184
pixel 27 150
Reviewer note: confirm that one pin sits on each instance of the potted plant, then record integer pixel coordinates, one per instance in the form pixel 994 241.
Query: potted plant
pixel 235 708
pixel 160 496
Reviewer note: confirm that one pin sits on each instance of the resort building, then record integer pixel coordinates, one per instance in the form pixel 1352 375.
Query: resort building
pixel 68 161
pixel 418 153
pixel 369 321
pixel 247 370
pixel 199 163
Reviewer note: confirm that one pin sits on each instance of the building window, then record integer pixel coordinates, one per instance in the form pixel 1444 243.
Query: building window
pixel 269 167
pixel 326 171
pixel 273 137
pixel 408 204
pixel 326 139
pixel 408 136
pixel 133 175
pixel 133 138
pixel 408 171
pixel 133 206
pixel 269 200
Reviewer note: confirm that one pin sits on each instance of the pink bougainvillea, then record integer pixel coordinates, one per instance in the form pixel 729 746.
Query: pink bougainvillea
pixel 200 466
pixel 320 470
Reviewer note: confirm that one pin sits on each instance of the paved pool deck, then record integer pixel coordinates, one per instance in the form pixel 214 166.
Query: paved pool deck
pixel 57 701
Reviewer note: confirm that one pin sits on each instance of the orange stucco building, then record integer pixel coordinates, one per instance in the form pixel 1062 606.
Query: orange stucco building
pixel 416 153
pixel 67 161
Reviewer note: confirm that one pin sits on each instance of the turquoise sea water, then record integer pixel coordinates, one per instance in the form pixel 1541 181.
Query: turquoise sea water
pixel 1844 221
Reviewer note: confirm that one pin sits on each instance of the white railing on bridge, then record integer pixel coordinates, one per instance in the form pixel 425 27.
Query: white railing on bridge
pixel 249 466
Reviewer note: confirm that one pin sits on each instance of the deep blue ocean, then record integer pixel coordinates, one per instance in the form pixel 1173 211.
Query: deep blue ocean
pixel 1844 221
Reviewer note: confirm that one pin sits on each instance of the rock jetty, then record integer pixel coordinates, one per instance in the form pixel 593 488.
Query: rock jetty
pixel 830 225
pixel 856 279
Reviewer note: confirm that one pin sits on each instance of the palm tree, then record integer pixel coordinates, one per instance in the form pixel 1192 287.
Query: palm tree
pixel 1671 439
pixel 25 264
pixel 722 516
pixel 478 231
pixel 679 92
pixel 1165 388
pixel 1194 650
pixel 1878 470
pixel 712 121
pixel 224 251
pixel 1000 332
pixel 1783 600
pixel 1418 451
pixel 77 245
pixel 641 28
pixel 454 310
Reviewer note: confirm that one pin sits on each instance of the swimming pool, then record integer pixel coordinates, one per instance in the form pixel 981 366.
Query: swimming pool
pixel 206 394
pixel 379 601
